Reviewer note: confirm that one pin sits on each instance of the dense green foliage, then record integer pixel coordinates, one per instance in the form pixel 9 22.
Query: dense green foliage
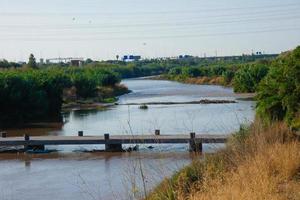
pixel 247 78
pixel 28 95
pixel 209 71
pixel 132 70
pixel 4 64
pixel 243 77
pixel 243 74
pixel 86 80
pixel 279 92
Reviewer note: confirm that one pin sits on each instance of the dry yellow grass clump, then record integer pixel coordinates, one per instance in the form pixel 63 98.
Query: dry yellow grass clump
pixel 267 175
pixel 258 163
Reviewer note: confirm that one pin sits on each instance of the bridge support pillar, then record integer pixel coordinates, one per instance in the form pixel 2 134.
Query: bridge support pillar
pixel 111 147
pixel 35 147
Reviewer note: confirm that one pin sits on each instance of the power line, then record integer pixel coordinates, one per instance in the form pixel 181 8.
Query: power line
pixel 157 24
pixel 157 37
pixel 155 12
pixel 153 30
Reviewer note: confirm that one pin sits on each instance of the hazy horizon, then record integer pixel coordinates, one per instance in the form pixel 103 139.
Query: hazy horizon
pixel 156 28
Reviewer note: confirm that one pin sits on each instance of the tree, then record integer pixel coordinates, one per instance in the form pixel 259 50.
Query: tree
pixel 190 72
pixel 32 62
pixel 248 77
pixel 88 61
pixel 279 93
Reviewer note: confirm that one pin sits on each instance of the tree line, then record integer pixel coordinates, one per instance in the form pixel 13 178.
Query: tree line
pixel 244 77
pixel 36 92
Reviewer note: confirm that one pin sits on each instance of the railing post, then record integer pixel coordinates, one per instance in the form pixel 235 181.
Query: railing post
pixel 192 142
pixel 3 134
pixel 157 132
pixel 106 136
pixel 80 133
pixel 26 137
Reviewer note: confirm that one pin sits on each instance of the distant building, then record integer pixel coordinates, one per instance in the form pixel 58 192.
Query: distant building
pixel 76 62
pixel 131 58
pixel 72 61
pixel 184 56
pixel 21 63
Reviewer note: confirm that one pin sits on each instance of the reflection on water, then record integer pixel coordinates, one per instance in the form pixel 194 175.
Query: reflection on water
pixel 170 119
pixel 85 176
pixel 69 175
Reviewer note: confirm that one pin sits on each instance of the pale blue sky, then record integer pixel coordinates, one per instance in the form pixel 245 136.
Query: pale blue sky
pixel 101 29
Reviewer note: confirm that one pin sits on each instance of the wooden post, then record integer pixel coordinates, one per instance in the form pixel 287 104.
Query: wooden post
pixel 192 142
pixel 106 138
pixel 80 133
pixel 199 147
pixel 3 134
pixel 26 137
pixel 157 132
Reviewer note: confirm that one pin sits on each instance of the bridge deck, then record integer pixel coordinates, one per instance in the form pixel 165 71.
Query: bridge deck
pixel 113 139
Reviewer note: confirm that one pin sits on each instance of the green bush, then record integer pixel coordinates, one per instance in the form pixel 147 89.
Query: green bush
pixel 279 93
pixel 29 95
pixel 25 97
pixel 248 77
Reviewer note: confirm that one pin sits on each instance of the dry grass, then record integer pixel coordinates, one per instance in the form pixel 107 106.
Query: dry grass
pixel 258 163
pixel 205 80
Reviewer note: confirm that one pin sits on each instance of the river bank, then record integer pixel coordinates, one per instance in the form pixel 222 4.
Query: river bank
pixel 264 160
pixel 106 97
pixel 203 80
pixel 261 161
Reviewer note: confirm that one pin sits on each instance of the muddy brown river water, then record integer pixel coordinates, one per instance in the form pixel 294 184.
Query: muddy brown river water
pixel 73 172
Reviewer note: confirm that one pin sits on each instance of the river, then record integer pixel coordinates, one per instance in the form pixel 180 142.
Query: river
pixel 74 172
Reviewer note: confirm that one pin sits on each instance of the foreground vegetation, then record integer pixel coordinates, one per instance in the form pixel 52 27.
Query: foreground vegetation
pixel 259 162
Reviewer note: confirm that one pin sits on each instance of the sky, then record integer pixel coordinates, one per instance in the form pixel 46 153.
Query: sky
pixel 102 29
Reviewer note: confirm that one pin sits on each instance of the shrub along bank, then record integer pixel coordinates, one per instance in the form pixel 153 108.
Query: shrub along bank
pixel 258 163
pixel 243 77
pixel 28 95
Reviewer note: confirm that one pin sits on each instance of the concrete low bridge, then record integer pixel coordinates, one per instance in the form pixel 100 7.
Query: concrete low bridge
pixel 113 143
